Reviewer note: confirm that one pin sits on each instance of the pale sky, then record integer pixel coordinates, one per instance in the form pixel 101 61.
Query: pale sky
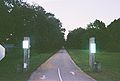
pixel 79 13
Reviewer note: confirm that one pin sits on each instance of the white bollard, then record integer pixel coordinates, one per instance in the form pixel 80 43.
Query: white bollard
pixel 92 51
pixel 26 48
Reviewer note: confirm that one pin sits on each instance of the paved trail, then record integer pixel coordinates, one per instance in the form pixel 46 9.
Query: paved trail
pixel 59 67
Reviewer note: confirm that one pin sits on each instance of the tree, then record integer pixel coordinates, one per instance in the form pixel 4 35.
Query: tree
pixel 113 38
pixel 97 29
pixel 23 20
pixel 77 39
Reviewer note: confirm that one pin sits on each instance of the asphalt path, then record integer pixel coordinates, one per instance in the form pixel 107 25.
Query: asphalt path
pixel 60 67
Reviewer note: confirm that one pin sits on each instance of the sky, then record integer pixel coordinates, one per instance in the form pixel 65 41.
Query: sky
pixel 78 13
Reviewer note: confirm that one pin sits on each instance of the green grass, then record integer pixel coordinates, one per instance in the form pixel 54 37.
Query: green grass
pixel 8 71
pixel 110 64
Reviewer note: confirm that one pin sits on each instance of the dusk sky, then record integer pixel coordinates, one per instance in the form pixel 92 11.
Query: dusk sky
pixel 79 13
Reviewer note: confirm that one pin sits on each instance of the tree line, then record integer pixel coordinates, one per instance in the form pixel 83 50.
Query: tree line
pixel 107 37
pixel 19 19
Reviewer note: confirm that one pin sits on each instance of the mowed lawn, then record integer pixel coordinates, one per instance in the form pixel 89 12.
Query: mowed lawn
pixel 110 64
pixel 14 59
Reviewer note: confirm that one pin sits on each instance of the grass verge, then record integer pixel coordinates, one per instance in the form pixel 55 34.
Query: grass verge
pixel 14 59
pixel 109 62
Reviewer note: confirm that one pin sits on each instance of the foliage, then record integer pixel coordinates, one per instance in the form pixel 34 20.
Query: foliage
pixel 113 38
pixel 19 19
pixel 107 38
pixel 77 39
